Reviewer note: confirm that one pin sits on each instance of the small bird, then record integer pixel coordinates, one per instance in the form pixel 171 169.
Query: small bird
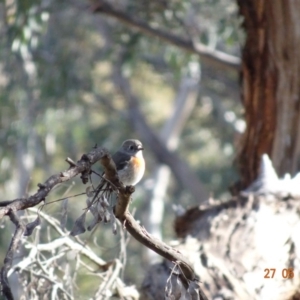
pixel 130 162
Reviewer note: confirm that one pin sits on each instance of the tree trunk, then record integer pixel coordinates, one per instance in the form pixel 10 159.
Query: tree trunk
pixel 271 86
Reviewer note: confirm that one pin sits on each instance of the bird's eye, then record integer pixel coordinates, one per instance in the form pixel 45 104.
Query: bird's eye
pixel 131 147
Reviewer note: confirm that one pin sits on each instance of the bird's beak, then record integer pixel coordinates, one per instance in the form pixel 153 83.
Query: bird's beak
pixel 141 148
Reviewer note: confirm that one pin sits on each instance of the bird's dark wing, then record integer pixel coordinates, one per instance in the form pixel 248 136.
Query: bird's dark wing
pixel 121 160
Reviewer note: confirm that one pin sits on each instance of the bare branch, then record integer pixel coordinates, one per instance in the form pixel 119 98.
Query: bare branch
pixel 83 166
pixel 106 284
pixel 20 229
pixel 121 212
pixel 140 234
pixel 48 278
pixel 212 56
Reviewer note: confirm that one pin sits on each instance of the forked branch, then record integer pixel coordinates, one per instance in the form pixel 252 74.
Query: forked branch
pixel 83 166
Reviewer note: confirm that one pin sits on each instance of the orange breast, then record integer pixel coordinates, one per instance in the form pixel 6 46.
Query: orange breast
pixel 138 163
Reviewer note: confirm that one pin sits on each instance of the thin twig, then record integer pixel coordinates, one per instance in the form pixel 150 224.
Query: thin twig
pixel 59 286
pixel 82 166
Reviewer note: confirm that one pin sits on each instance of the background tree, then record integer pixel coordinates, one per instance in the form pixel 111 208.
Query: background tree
pixel 270 70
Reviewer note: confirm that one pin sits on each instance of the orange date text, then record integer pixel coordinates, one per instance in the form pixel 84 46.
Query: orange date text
pixel 285 273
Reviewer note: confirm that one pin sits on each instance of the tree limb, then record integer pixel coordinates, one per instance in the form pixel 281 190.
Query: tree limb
pixel 212 56
pixel 186 274
pixel 83 166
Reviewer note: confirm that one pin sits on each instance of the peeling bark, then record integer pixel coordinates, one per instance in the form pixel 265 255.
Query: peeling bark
pixel 271 86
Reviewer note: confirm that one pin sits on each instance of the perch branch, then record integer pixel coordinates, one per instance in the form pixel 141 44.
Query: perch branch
pixel 140 234
pixel 83 166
